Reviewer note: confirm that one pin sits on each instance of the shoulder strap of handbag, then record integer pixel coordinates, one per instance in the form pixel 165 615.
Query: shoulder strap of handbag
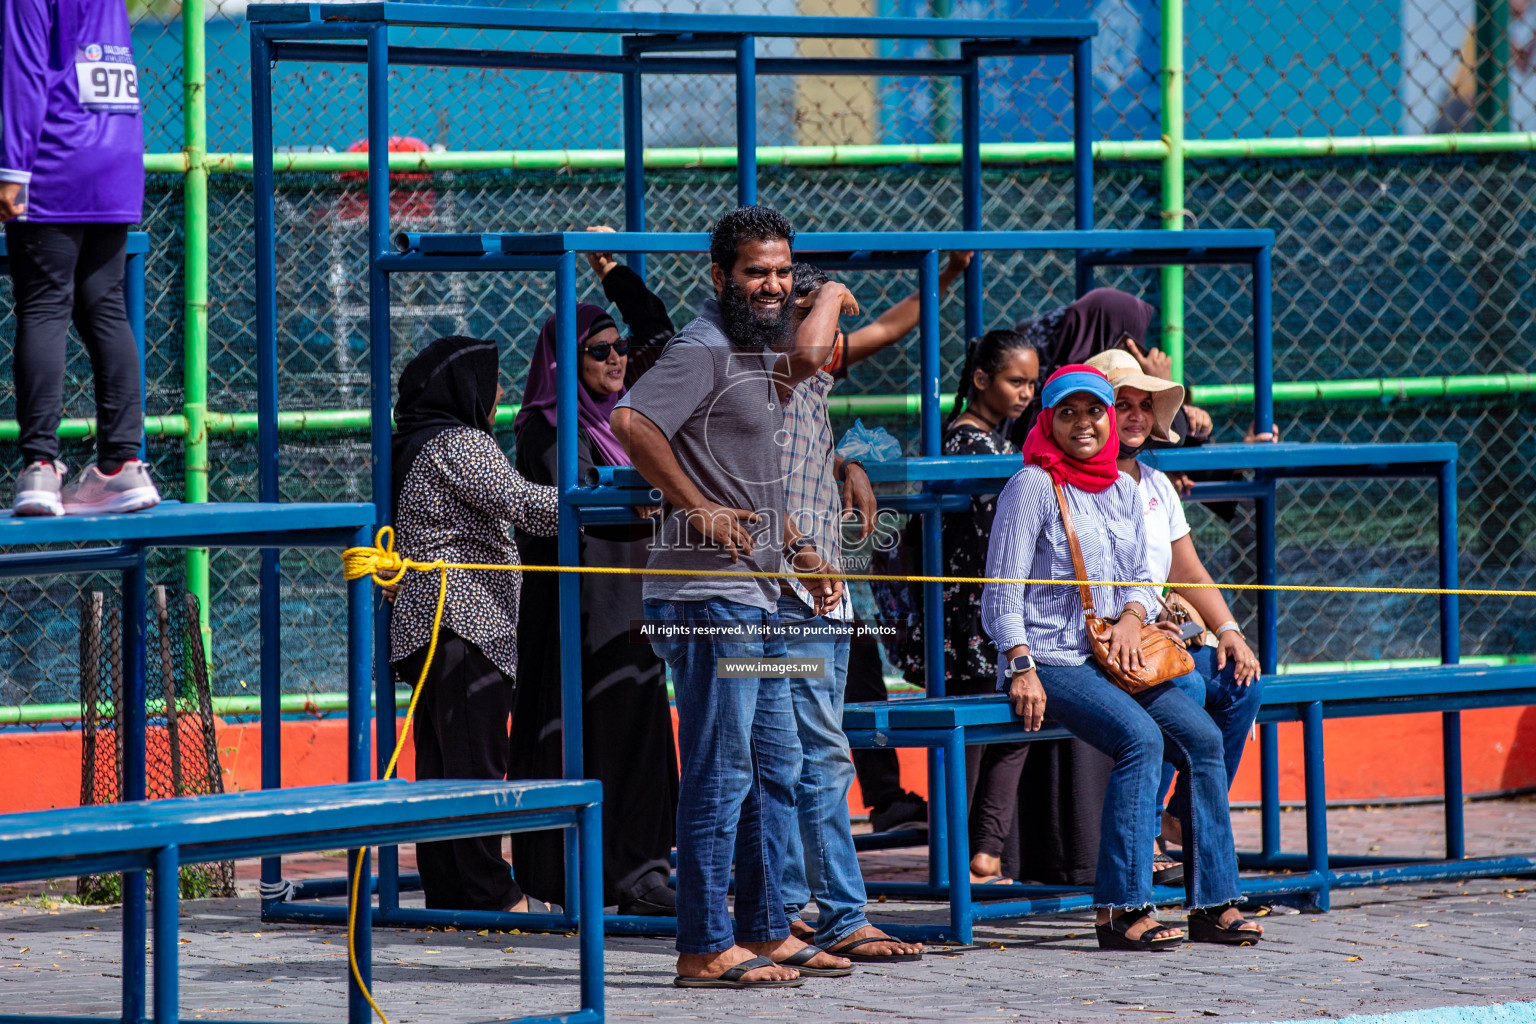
pixel 1077 551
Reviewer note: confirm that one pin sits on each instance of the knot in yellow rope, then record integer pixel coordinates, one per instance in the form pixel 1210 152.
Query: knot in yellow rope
pixel 380 561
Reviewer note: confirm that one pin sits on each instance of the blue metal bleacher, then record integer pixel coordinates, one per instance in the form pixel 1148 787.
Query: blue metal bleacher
pixel 650 44
pixel 675 44
pixel 162 835
pixel 119 543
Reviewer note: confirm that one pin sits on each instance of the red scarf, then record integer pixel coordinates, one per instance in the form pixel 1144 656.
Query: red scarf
pixel 1095 474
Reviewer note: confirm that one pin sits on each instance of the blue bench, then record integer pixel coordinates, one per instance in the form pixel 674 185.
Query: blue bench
pixel 951 724
pixel 161 835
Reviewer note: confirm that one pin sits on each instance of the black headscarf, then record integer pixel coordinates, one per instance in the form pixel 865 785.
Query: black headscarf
pixel 1095 323
pixel 450 383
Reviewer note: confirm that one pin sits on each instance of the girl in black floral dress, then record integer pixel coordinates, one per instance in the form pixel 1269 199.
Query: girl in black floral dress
pixel 996 384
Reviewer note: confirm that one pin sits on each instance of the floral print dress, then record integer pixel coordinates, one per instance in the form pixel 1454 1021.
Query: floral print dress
pixel 970 659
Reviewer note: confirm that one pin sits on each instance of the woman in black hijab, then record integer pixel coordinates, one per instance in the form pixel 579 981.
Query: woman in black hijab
pixel 456 498
pixel 1104 319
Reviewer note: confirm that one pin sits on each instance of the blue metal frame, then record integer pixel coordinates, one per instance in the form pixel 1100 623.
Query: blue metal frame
pixel 164 834
pixel 120 542
pixel 854 250
pixel 650 44
pixel 676 44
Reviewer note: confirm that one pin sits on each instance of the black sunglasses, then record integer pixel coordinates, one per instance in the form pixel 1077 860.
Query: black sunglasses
pixel 600 352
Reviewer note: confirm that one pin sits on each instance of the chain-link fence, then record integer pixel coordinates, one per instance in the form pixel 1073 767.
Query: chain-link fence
pixel 1360 67
pixel 1023 99
pixel 181 750
pixel 1298 68
pixel 1384 267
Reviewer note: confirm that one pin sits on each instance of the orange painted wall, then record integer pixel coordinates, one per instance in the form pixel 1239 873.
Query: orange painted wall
pixel 1367 758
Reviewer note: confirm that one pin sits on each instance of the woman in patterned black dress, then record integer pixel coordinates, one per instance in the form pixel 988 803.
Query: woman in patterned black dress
pixel 996 384
pixel 456 498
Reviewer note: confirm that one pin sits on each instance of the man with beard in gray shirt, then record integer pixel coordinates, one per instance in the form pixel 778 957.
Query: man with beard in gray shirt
pixel 705 427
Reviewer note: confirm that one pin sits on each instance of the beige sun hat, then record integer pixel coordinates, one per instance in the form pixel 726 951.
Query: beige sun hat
pixel 1123 370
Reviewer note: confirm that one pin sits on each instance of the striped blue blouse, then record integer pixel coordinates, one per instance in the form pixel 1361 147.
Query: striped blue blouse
pixel 1028 542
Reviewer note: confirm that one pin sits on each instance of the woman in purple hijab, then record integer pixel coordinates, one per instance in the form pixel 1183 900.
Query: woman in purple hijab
pixel 627 725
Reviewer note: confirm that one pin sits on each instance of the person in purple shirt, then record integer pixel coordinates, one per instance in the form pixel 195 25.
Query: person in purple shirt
pixel 71 183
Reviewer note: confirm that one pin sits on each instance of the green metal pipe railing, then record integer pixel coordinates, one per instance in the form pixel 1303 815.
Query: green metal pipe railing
pixel 724 158
pixel 1171 187
pixel 291 703
pixel 220 424
pixel 195 286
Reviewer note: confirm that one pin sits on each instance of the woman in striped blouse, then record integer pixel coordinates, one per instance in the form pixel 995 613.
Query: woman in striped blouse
pixel 1040 633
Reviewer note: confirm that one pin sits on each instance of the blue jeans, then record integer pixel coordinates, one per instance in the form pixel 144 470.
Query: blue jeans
pixel 1135 732
pixel 740 758
pixel 821 860
pixel 1232 707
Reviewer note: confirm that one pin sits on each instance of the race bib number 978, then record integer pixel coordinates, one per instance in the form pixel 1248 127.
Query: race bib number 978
pixel 108 81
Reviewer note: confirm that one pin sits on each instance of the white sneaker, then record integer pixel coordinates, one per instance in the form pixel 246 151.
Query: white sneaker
pixel 37 490
pixel 128 490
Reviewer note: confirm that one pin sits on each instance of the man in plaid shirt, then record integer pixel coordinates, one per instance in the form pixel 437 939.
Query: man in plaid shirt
pixel 818 624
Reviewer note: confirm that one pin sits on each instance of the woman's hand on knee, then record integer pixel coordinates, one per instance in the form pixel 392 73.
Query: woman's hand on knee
pixel 1028 699
pixel 1125 643
pixel 1233 648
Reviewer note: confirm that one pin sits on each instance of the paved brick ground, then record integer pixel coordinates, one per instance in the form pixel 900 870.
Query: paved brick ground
pixel 1379 950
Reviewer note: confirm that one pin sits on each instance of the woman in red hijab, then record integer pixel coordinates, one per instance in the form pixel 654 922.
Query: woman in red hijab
pixel 1040 633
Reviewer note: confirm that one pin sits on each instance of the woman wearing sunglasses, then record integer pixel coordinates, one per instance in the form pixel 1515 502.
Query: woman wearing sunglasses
pixel 627 726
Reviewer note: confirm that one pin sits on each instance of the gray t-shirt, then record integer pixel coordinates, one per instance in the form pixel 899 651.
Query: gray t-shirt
pixel 717 405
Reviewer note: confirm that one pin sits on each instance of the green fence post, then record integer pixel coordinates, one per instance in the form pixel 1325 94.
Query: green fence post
pixel 195 285
pixel 944 105
pixel 1172 116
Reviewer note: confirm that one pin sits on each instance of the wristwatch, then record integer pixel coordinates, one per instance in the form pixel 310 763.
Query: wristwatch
pixel 842 473
pixel 1018 666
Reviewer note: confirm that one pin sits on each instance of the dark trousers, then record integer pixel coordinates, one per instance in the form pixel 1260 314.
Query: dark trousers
pixel 64 272
pixel 991 780
pixel 878 771
pixel 461 733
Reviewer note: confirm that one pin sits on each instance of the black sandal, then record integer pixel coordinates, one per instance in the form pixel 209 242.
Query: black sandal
pixel 800 961
pixel 731 977
pixel 1206 926
pixel 1112 934
pixel 846 949
pixel 1166 870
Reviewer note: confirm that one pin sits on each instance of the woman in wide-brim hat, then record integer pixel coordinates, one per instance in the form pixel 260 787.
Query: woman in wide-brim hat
pixel 1042 637
pixel 1226 677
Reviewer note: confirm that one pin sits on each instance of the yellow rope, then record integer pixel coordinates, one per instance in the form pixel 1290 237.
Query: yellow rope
pixel 388 568
pixel 386 536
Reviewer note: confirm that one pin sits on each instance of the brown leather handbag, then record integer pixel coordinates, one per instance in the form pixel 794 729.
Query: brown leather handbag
pixel 1181 613
pixel 1163 656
